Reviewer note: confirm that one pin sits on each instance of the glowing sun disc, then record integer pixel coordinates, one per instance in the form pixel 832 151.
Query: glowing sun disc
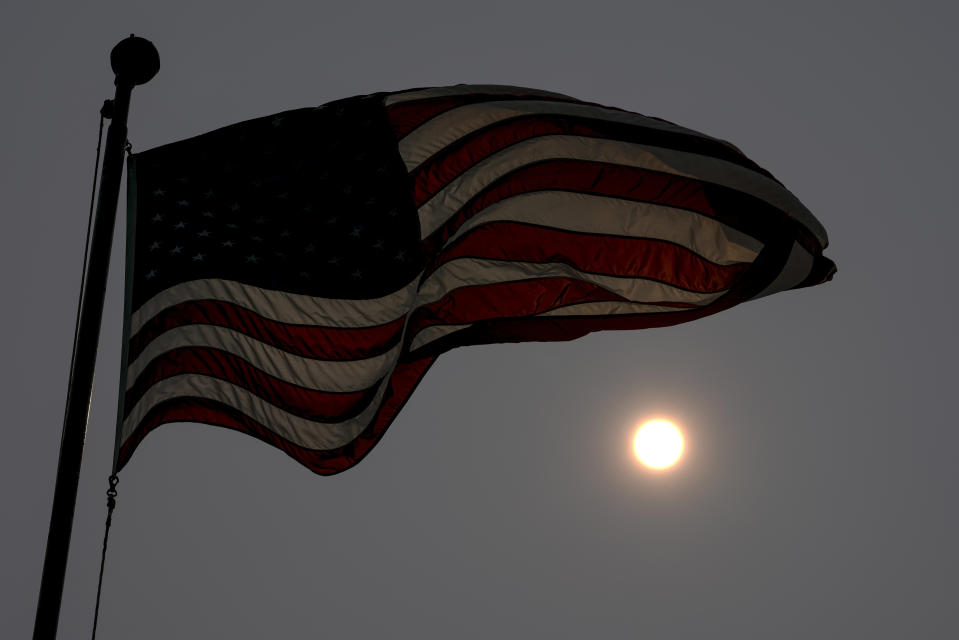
pixel 658 444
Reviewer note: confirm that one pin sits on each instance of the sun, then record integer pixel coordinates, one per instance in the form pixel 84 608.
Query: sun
pixel 658 444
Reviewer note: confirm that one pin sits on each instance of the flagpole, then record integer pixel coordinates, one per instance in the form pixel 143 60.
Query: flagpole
pixel 134 61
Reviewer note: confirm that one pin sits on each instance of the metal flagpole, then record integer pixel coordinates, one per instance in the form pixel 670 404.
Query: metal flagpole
pixel 134 61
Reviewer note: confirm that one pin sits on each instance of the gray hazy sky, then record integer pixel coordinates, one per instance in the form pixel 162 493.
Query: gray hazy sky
pixel 818 497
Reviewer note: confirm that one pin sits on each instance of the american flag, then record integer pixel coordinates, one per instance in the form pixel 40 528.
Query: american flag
pixel 293 277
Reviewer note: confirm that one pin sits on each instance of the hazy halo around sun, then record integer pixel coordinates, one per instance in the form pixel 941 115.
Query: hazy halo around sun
pixel 658 443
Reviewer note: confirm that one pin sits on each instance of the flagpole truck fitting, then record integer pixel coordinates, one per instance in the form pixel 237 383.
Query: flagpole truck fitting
pixel 134 61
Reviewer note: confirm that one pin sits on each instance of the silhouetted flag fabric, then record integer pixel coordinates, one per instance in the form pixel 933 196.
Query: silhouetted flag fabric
pixel 294 276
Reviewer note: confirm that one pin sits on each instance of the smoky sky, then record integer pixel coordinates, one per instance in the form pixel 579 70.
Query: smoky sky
pixel 817 497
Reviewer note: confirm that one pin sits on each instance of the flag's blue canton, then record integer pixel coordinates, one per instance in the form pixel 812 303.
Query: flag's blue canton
pixel 313 201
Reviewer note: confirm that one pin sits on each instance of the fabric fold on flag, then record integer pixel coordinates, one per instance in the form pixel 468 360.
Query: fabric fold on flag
pixel 294 277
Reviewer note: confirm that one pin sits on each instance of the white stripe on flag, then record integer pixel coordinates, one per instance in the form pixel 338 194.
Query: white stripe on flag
pixel 588 213
pixel 610 308
pixel 448 127
pixel 469 272
pixel 281 306
pixel 469 89
pixel 321 375
pixel 435 332
pixel 796 269
pixel 460 190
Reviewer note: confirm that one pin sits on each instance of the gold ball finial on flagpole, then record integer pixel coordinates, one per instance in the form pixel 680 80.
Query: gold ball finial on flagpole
pixel 134 60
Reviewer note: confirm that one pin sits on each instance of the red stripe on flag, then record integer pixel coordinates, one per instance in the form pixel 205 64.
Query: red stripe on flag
pixel 583 176
pixel 319 406
pixel 407 116
pixel 451 162
pixel 609 255
pixel 403 382
pixel 559 328
pixel 326 343
pixel 444 167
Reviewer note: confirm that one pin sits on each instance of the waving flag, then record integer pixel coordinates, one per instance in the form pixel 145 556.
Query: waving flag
pixel 294 276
